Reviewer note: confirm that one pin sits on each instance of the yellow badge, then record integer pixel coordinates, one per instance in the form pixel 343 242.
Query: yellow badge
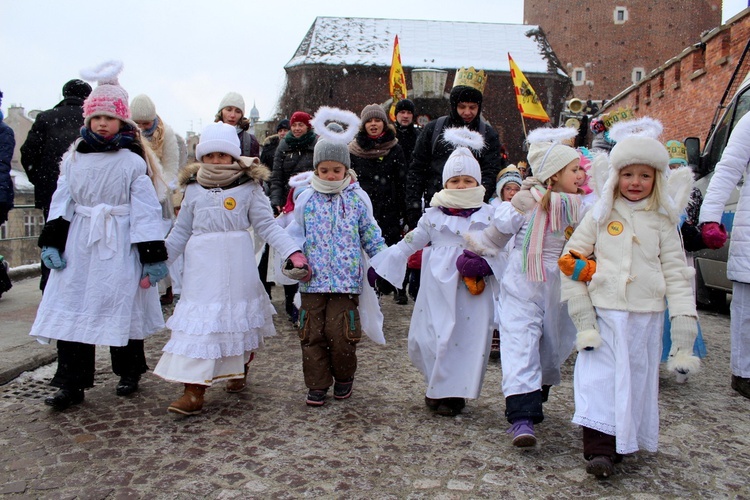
pixel 615 228
pixel 568 231
pixel 229 203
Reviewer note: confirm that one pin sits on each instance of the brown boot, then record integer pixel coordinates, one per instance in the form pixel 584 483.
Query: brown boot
pixel 238 384
pixel 191 402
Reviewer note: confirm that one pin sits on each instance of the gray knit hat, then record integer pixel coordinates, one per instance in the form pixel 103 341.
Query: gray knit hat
pixel 373 111
pixel 329 150
pixel 142 108
pixel 232 99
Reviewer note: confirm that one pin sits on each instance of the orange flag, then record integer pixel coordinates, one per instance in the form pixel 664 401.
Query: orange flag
pixel 528 102
pixel 397 80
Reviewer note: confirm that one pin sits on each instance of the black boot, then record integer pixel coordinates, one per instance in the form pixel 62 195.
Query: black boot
pixel 64 398
pixel 128 385
pixel 400 297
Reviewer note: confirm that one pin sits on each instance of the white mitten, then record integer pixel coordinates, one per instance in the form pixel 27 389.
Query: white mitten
pixel 681 359
pixel 582 312
pixel 487 242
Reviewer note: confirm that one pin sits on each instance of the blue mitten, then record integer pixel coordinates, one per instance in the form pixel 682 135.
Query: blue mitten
pixel 52 259
pixel 156 271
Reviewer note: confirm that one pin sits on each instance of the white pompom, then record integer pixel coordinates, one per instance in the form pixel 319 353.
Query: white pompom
pixel 105 73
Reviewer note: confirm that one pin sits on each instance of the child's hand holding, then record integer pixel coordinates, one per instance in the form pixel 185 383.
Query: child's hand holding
pixel 582 312
pixel 155 271
pixel 471 265
pixel 681 359
pixel 297 268
pixel 578 267
pixel 52 259
pixel 714 235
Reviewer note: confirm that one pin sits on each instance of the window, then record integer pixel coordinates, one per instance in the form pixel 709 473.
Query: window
pixel 637 74
pixel 579 76
pixel 32 224
pixel 620 15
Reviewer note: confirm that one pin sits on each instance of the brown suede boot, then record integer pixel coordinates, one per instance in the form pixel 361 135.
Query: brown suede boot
pixel 191 402
pixel 238 384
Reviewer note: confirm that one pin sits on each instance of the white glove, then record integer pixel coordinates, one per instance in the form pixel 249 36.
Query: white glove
pixel 486 242
pixel 681 359
pixel 582 312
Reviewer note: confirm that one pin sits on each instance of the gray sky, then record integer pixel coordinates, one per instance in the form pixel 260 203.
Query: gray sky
pixel 187 54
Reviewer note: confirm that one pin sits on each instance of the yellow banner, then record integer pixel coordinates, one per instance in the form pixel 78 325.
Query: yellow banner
pixel 528 102
pixel 397 80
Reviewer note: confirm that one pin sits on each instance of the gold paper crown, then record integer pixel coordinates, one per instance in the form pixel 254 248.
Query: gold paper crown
pixel 619 115
pixel 470 77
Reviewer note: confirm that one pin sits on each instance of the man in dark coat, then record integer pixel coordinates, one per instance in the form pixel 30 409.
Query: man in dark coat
pixel 406 130
pixel 7 145
pixel 50 137
pixel 424 177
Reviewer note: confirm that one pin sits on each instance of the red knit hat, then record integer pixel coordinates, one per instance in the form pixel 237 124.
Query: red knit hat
pixel 300 116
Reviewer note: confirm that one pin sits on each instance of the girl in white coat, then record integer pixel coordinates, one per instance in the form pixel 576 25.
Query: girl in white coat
pixel 224 313
pixel 103 234
pixel 632 234
pixel 450 331
pixel 536 334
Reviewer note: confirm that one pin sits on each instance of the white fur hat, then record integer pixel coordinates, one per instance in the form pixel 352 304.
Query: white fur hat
pixel 218 138
pixel 232 99
pixel 462 161
pixel 547 154
pixel 142 108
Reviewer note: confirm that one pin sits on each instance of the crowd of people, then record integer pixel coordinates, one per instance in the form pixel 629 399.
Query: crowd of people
pixel 569 250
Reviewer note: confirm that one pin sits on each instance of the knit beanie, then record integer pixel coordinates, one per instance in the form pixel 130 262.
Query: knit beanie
pixel 547 155
pixel 333 141
pixel 218 137
pixel 328 150
pixel 373 111
pixel 677 153
pixel 283 124
pixel 232 99
pixel 108 98
pixel 506 175
pixel 406 105
pixel 462 162
pixel 300 116
pixel 142 108
pixel 76 88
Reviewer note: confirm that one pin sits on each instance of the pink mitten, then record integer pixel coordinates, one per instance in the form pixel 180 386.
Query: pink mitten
pixel 297 268
pixel 145 282
pixel 714 235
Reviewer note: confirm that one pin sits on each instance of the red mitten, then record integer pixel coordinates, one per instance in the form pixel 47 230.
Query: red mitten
pixel 714 235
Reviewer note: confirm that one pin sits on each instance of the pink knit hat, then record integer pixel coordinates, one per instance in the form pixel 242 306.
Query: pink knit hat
pixel 108 98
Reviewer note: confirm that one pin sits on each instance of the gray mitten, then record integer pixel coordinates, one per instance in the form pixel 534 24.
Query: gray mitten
pixel 582 312
pixel 681 359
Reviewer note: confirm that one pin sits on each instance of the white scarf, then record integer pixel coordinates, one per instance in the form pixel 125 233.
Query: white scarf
pixel 459 198
pixel 332 187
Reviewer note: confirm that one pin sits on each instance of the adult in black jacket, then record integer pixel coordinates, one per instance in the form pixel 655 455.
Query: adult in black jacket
pixel 271 144
pixel 406 130
pixel 50 137
pixel 425 173
pixel 293 156
pixel 379 162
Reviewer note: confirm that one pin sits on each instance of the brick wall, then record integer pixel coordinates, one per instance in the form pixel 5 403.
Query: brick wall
pixel 584 34
pixel 685 91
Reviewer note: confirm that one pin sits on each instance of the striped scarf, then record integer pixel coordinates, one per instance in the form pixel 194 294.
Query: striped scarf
pixel 564 211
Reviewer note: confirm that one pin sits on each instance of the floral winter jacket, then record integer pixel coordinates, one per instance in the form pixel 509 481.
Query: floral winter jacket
pixel 337 228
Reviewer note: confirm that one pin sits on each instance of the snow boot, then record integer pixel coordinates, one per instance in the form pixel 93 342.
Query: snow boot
pixel 191 402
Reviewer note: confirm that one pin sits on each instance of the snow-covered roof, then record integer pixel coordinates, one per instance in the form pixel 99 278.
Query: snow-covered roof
pixel 423 44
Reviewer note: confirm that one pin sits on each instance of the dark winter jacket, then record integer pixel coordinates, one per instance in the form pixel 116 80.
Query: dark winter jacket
pixel 249 144
pixel 383 179
pixel 286 163
pixel 7 145
pixel 50 137
pixel 269 150
pixel 407 139
pixel 424 176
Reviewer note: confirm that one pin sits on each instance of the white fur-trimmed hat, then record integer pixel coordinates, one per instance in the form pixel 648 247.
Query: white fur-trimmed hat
pixel 232 99
pixel 218 137
pixel 142 108
pixel 547 154
pixel 108 98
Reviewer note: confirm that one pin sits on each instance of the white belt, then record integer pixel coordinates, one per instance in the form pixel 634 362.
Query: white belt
pixel 103 230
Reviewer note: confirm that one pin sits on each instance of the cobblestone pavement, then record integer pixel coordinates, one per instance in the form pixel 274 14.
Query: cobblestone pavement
pixel 381 443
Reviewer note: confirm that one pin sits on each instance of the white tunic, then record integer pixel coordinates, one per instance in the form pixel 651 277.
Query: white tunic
pixel 111 205
pixel 451 330
pixel 224 311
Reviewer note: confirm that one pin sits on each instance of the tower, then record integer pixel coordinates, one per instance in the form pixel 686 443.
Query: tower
pixel 606 45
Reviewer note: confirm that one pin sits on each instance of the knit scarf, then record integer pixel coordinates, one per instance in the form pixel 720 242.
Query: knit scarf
pixel 564 211
pixel 100 144
pixel 212 176
pixel 299 142
pixel 155 136
pixel 333 187
pixel 368 147
pixel 459 212
pixel 459 198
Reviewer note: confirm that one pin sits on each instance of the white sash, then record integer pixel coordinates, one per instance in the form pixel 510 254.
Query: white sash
pixel 103 229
